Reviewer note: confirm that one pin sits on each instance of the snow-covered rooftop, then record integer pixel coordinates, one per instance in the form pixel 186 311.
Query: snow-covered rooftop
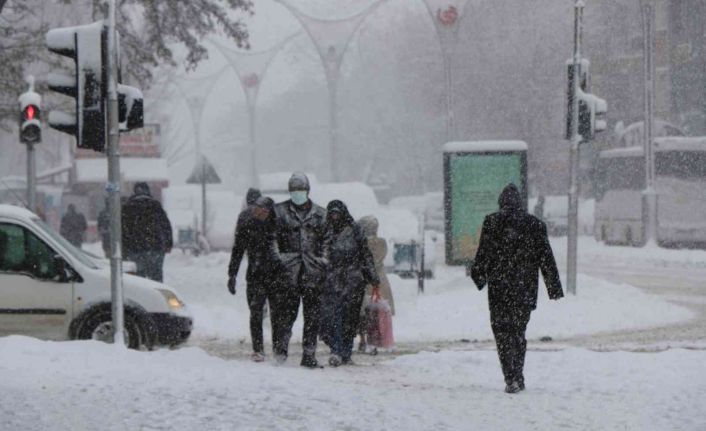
pixel 484 146
pixel 131 169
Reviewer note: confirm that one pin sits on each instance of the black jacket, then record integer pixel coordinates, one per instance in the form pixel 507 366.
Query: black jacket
pixel 257 238
pixel 145 225
pixel 300 239
pixel 351 266
pixel 513 248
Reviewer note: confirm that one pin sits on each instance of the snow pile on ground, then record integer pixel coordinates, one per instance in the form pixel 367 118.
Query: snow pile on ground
pixel 451 308
pixel 85 385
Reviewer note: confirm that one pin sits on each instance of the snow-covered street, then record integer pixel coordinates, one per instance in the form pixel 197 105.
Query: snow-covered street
pixel 444 374
pixel 89 385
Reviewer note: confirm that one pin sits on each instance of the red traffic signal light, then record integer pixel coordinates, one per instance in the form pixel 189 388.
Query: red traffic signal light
pixel 30 112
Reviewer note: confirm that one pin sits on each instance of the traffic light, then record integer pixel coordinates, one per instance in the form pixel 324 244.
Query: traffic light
pixel 130 108
pixel 30 110
pixel 592 109
pixel 87 46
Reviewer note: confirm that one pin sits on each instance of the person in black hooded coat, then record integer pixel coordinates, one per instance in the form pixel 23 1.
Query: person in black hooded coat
pixel 350 269
pixel 513 249
pixel 265 276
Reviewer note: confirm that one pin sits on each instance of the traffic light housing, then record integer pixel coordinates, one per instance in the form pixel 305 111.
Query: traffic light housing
pixel 30 115
pixel 87 45
pixel 592 109
pixel 130 108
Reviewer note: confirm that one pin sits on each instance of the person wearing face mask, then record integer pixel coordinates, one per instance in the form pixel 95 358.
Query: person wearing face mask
pixel 300 234
pixel 351 269
pixel 254 234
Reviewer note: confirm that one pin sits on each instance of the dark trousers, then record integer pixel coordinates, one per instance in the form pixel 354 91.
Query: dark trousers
pixel 257 293
pixel 149 264
pixel 509 325
pixel 289 305
pixel 342 322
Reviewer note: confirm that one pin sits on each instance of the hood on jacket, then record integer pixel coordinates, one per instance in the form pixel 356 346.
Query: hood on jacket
pixel 141 188
pixel 299 181
pixel 510 199
pixel 252 195
pixel 345 218
pixel 369 224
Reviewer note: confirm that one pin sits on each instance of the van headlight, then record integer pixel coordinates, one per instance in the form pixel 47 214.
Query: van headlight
pixel 173 301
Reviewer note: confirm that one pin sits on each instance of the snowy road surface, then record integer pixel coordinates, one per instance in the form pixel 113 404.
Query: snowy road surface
pixel 443 375
pixel 89 386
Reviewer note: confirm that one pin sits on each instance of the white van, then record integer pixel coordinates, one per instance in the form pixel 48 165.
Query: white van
pixel 50 289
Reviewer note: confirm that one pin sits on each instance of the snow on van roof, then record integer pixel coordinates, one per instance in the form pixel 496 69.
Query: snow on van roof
pixel 15 212
pixel 483 146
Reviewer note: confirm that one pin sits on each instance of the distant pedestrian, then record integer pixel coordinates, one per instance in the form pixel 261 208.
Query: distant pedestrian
pixel 351 268
pixel 254 235
pixel 147 232
pixel 73 226
pixel 300 237
pixel 378 247
pixel 104 228
pixel 513 249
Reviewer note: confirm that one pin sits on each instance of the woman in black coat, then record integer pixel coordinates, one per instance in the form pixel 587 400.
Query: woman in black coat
pixel 350 269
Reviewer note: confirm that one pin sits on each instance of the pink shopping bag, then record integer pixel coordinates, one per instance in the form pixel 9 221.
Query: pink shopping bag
pixel 379 318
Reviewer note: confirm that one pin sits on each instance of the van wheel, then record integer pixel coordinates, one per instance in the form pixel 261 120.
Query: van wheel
pixel 99 326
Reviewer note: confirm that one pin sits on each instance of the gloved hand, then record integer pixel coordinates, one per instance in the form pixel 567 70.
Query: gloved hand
pixel 231 285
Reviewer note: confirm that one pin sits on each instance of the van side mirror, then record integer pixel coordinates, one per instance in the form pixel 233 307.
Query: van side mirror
pixel 63 270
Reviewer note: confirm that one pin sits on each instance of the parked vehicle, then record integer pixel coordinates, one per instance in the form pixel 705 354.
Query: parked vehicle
pixel 52 290
pixel 680 187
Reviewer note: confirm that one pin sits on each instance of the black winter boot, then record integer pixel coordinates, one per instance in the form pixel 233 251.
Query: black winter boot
pixel 309 361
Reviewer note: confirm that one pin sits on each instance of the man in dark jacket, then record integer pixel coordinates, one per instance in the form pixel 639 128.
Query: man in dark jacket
pixel 73 226
pixel 254 234
pixel 300 237
pixel 147 232
pixel 513 248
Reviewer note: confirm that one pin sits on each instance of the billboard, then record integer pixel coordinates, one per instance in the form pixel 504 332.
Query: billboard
pixel 473 181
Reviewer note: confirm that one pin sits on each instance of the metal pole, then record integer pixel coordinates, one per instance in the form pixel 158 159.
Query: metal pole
pixel 203 198
pixel 116 270
pixel 572 237
pixel 31 178
pixel 649 194
pixel 254 179
pixel 450 121
pixel 333 127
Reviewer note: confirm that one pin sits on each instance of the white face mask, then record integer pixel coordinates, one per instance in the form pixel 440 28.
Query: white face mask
pixel 299 197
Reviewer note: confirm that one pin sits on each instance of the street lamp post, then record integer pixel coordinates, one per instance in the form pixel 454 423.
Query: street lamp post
pixel 251 68
pixel 649 194
pixel 196 102
pixel 331 38
pixel 446 16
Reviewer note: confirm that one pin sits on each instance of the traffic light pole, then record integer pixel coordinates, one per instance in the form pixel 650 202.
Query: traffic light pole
pixel 31 178
pixel 116 270
pixel 572 237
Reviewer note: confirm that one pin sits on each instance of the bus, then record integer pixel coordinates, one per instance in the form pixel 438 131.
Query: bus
pixel 680 185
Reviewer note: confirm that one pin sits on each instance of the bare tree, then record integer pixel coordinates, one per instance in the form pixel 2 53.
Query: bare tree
pixel 148 30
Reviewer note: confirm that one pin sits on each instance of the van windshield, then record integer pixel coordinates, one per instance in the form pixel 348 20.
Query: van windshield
pixel 685 165
pixel 75 252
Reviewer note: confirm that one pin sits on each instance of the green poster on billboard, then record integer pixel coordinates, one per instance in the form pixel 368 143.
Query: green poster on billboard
pixel 474 182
